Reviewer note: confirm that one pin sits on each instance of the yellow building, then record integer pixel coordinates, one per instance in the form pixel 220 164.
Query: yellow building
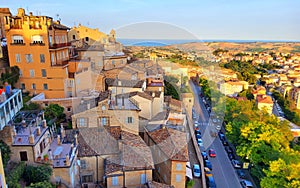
pixel 87 35
pixel 170 154
pixel 264 102
pixel 39 46
pixel 3 12
pixel 2 175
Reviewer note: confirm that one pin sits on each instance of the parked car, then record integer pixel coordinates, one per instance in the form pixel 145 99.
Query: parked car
pixel 225 142
pixel 207 172
pixel 221 135
pixel 198 136
pixel 236 163
pixel 212 153
pixel 197 132
pixel 200 142
pixel 241 173
pixel 228 149
pixel 246 184
pixel 196 171
pixel 210 182
pixel 231 156
pixel 207 164
pixel 204 155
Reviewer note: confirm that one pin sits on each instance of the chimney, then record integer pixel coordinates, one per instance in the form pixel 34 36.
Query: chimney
pixel 67 160
pixel 30 13
pixel 62 131
pixel 58 140
pixel 38 131
pixel 44 123
pixel 76 139
pixel 31 139
pixel 23 123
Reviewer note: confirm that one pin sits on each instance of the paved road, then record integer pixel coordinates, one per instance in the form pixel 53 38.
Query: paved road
pixel 223 172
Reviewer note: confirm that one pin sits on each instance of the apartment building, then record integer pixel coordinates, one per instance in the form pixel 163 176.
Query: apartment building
pixel 39 46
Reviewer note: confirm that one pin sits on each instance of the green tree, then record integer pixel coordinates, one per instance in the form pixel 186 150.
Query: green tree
pixel 5 152
pixel 54 111
pixel 35 174
pixel 11 75
pixel 44 184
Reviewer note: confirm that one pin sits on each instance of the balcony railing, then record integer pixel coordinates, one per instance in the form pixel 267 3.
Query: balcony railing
pixel 37 43
pixel 61 45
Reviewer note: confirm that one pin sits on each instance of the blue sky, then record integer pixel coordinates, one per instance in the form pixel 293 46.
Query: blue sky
pixel 205 19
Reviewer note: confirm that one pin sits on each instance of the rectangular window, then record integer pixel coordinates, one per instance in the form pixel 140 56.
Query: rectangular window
pixel 17 39
pixel 74 37
pixel 42 58
pixel 63 39
pixel 52 59
pixel 115 181
pixel 23 156
pixel 143 179
pixel 103 121
pixel 45 86
pixel 86 39
pixel 23 86
pixel 50 40
pixel 44 73
pixel 178 166
pixel 31 72
pixel 37 39
pixel 87 179
pixel 33 86
pixel 129 120
pixel 178 178
pixel 28 58
pixel 82 122
pixel 82 164
pixel 18 58
pixel 21 73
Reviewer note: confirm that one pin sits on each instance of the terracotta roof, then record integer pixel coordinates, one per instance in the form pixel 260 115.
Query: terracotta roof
pixel 5 11
pixel 154 184
pixel 96 140
pixel 172 142
pixel 60 26
pixel 264 99
pixel 124 83
pixel 135 153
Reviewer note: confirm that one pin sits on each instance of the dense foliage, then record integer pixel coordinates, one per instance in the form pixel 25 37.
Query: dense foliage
pixel 265 142
pixel 54 111
pixel 244 70
pixel 5 152
pixel 11 75
pixel 285 104
pixel 171 89
pixel 35 174
pixel 44 184
pixel 15 174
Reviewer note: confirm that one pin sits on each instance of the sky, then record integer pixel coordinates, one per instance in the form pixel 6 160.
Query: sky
pixel 176 19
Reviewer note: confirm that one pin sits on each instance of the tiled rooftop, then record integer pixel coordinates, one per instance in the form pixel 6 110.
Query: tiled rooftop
pixel 135 155
pixel 96 140
pixel 172 142
pixel 264 99
pixel 124 83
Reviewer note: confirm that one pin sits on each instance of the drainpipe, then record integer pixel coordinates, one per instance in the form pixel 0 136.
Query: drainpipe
pixel 97 169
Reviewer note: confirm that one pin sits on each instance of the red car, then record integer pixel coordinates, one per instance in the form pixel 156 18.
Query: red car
pixel 212 153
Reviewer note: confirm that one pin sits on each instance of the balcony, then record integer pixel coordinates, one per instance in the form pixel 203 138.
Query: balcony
pixel 37 43
pixel 61 45
pixel 17 44
pixel 61 63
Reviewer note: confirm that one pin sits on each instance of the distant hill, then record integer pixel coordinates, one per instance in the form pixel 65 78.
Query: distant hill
pixel 231 46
